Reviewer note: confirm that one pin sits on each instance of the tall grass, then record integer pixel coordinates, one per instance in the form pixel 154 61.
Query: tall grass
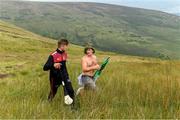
pixel 130 87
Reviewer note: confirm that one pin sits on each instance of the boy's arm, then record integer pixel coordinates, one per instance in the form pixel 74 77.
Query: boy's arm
pixel 95 60
pixel 49 64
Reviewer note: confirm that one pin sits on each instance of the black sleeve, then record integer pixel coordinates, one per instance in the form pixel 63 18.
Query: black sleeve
pixel 49 64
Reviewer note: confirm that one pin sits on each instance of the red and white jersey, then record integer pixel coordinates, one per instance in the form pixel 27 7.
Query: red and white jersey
pixel 59 57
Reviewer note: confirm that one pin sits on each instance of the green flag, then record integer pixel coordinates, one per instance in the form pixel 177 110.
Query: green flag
pixel 98 72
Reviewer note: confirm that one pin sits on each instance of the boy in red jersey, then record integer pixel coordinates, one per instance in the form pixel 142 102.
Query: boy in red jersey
pixel 56 63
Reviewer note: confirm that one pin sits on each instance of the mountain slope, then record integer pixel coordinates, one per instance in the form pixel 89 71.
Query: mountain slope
pixel 108 27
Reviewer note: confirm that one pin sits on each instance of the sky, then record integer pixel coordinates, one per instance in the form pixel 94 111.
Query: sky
pixel 171 6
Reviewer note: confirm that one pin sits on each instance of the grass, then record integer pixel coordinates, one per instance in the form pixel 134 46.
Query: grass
pixel 130 87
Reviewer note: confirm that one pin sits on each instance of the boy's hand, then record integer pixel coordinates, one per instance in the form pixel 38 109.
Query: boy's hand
pixel 97 67
pixel 57 65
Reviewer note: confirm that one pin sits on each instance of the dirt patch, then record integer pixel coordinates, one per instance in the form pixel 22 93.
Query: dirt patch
pixel 15 66
pixel 5 75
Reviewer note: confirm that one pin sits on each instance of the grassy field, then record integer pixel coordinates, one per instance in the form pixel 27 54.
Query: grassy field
pixel 130 87
pixel 119 29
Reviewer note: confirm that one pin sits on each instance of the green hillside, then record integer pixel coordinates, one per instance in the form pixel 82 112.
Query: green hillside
pixel 120 29
pixel 130 87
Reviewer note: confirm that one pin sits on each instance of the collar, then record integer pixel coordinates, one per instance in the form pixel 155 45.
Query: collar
pixel 59 51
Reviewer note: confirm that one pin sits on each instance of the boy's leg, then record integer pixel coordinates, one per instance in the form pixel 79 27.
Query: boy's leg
pixel 80 90
pixel 90 84
pixel 53 89
pixel 69 88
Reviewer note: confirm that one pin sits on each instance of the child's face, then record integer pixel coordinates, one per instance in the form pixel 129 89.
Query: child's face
pixel 63 47
pixel 89 52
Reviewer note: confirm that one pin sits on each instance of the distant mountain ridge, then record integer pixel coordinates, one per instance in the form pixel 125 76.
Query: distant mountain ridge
pixel 120 29
pixel 177 14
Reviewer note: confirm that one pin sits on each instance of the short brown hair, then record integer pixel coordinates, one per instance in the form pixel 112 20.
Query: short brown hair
pixel 87 48
pixel 63 42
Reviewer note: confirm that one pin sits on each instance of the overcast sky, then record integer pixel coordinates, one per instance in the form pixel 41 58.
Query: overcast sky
pixel 171 6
